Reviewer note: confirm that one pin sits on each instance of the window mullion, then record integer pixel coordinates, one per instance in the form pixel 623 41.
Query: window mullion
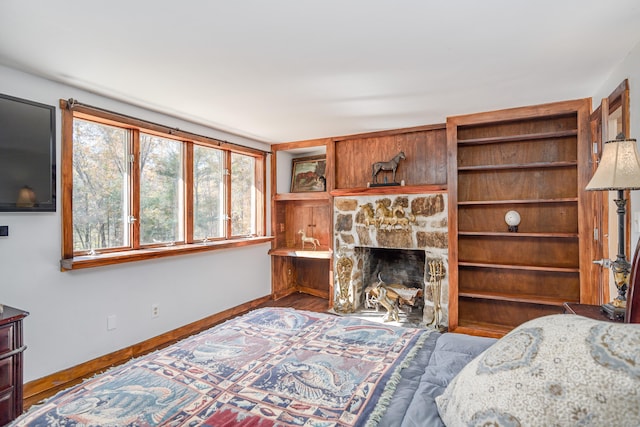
pixel 134 226
pixel 258 192
pixel 188 192
pixel 228 189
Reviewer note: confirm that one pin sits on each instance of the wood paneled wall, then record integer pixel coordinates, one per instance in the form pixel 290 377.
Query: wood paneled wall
pixel 425 149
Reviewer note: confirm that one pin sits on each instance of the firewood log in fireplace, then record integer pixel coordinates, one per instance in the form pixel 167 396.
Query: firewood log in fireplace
pixel 400 294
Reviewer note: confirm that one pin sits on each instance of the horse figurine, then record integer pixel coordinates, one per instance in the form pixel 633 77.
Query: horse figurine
pixel 391 165
pixel 312 240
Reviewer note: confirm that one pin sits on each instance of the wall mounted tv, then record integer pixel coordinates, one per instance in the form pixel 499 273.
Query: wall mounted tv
pixel 27 156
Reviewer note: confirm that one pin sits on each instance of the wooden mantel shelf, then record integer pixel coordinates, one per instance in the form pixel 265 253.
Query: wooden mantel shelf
pixel 398 189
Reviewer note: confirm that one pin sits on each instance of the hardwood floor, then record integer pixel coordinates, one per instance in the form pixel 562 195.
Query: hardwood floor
pixel 301 302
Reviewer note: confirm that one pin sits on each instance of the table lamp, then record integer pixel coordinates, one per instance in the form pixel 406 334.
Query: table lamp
pixel 619 170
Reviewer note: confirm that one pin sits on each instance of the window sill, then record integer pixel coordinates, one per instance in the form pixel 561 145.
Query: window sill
pixel 99 260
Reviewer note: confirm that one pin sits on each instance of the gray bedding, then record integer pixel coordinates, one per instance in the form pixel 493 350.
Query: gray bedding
pixel 435 365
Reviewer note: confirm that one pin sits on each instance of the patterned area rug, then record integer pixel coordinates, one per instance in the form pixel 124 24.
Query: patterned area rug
pixel 271 367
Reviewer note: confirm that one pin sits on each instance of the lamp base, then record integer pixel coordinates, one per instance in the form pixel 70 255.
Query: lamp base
pixel 613 312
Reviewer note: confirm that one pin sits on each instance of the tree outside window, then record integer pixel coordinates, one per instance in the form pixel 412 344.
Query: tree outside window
pixel 100 191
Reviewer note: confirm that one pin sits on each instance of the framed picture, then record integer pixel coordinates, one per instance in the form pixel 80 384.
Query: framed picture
pixel 308 174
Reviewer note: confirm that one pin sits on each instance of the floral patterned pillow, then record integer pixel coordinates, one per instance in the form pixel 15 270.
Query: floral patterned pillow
pixel 558 370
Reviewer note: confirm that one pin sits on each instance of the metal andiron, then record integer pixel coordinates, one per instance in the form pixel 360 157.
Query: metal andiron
pixel 344 299
pixel 436 273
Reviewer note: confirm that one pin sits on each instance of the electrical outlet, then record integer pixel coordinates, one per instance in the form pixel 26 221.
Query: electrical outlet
pixel 155 310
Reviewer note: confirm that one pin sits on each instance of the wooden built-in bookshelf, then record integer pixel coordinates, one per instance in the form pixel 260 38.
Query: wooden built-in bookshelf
pixel 532 160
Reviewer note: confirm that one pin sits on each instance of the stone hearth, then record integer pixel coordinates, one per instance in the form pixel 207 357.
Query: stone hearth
pixel 407 222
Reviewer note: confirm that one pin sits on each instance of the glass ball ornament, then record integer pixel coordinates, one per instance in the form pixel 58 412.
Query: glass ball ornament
pixel 512 218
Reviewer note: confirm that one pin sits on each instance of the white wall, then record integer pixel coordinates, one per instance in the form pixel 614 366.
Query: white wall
pixel 68 320
pixel 629 68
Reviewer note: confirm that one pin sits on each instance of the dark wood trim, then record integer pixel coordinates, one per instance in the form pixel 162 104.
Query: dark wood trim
pixel 278 295
pixel 326 141
pixel 113 117
pixel 391 132
pixel 227 185
pixel 513 138
pixel 400 189
pixel 589 292
pixel 120 257
pixel 188 193
pixel 330 185
pixel 36 390
pixel 552 109
pixel 261 196
pixel 311 143
pixel 330 167
pixel 596 114
pixel 134 226
pixel 452 202
pixel 319 253
pixel 600 201
pixel 615 98
pixel 314 292
pixel 66 185
pixel 320 195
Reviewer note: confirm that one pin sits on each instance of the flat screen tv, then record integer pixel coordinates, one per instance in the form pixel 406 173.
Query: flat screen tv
pixel 27 156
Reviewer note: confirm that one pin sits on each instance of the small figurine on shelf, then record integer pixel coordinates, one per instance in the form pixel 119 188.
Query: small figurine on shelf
pixel 390 165
pixel 512 218
pixel 311 240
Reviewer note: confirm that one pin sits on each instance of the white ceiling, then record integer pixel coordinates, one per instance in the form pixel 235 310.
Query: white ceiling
pixel 284 70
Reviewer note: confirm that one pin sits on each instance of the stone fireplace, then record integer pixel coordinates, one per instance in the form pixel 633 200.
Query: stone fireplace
pixel 392 238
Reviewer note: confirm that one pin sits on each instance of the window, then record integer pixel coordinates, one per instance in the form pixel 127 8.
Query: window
pixel 136 190
pixel 243 203
pixel 208 193
pixel 161 194
pixel 100 196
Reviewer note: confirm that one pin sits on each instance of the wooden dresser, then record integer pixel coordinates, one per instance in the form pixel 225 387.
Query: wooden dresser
pixel 11 348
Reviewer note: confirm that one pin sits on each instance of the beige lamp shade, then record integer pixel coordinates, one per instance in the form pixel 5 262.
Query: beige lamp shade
pixel 619 167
